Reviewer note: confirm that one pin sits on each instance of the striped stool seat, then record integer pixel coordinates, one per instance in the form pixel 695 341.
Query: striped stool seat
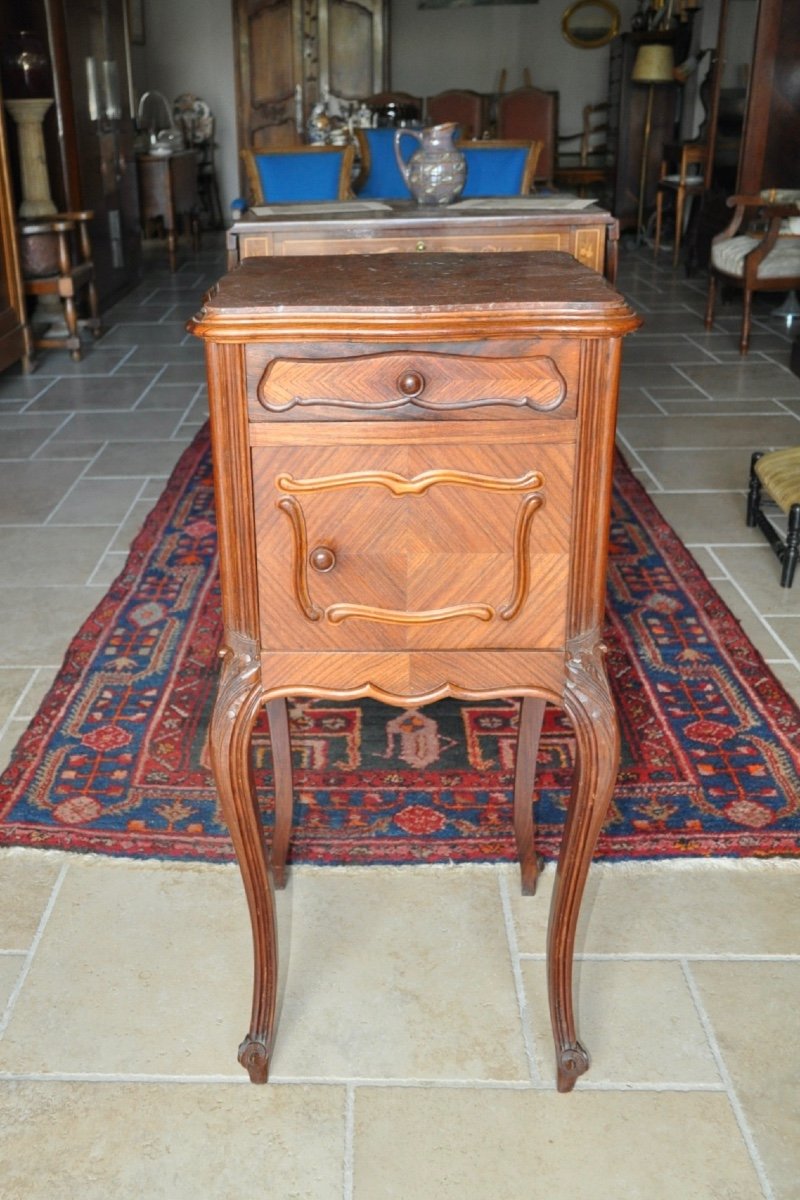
pixel 778 474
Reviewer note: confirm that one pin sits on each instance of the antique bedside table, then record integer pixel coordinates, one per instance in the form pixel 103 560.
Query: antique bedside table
pixel 413 462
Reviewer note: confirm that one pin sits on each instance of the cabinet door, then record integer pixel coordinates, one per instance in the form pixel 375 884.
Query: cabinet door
pixel 269 72
pixel 413 547
pixel 292 53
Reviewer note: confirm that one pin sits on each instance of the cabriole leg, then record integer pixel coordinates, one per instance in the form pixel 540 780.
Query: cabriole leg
pixel 531 715
pixel 590 708
pixel 278 717
pixel 239 698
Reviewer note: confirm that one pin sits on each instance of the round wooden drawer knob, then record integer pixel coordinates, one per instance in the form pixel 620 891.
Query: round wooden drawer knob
pixel 411 383
pixel 420 246
pixel 322 559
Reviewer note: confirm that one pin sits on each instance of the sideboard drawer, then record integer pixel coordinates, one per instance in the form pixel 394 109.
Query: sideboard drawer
pixel 412 546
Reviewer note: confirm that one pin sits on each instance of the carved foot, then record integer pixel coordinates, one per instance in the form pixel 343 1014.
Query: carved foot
pixel 571 1062
pixel 254 1057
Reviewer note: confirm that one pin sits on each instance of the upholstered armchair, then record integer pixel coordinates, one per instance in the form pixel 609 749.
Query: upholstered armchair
pixel 758 251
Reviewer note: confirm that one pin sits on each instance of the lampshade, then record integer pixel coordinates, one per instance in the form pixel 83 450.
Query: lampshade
pixel 654 63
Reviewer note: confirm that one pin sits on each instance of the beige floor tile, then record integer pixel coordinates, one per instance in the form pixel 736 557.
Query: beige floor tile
pixel 131 526
pixel 694 470
pixel 788 628
pixel 706 561
pixel 97 502
pixel 152 972
pixel 674 909
pixel 757 571
pixel 757 631
pixel 139 458
pixel 27 879
pixel 753 1010
pixel 46 555
pixel 399 974
pixel 10 967
pixel 476 1144
pixel 636 1019
pixel 22 435
pixel 718 518
pixel 747 379
pixel 131 1141
pixel 13 682
pixel 146 425
pixel 39 623
pixel 29 491
pixel 714 430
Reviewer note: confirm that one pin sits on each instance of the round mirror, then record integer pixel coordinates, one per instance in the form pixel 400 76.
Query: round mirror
pixel 590 23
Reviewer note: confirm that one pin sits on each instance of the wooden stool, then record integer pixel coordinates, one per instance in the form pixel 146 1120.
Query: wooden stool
pixel 778 473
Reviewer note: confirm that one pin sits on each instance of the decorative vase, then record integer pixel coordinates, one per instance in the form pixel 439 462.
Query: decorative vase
pixel 435 173
pixel 25 67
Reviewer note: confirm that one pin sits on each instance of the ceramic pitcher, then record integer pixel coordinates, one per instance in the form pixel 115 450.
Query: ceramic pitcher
pixel 435 172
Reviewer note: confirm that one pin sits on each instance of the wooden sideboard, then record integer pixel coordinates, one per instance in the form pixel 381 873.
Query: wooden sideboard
pixel 413 473
pixel 168 189
pixel 588 233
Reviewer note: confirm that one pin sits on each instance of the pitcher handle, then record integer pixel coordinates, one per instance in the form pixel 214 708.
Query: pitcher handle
pixel 402 165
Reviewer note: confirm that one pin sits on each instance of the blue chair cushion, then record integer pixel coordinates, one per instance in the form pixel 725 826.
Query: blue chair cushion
pixel 292 177
pixel 384 181
pixel 494 171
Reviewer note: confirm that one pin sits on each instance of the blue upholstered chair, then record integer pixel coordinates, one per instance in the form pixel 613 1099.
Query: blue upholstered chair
pixel 379 176
pixel 294 174
pixel 499 168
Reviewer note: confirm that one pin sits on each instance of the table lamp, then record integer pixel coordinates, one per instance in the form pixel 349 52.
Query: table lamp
pixel 654 64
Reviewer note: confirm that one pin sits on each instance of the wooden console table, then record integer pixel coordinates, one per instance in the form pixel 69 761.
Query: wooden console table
pixel 413 474
pixel 168 189
pixel 588 233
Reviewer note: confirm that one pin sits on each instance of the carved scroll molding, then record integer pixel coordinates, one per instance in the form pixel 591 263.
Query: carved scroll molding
pixel 447 382
pixel 398 485
pixel 531 483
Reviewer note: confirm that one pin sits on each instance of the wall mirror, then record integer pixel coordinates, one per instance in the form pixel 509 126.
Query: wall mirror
pixel 590 23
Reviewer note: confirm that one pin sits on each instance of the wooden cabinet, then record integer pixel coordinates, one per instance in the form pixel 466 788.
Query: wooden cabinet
pixel 626 128
pixel 168 191
pixel 368 227
pixel 89 130
pixel 413 471
pixel 15 335
pixel 290 54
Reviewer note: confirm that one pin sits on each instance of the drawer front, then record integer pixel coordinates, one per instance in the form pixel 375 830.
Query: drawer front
pixel 413 546
pixel 517 381
pixel 413 383
pixel 490 241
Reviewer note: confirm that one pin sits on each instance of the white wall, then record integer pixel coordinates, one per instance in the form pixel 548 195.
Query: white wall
pixel 434 49
pixel 189 48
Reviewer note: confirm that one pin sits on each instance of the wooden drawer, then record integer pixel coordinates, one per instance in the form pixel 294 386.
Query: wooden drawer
pixel 413 546
pixel 411 382
pixel 489 241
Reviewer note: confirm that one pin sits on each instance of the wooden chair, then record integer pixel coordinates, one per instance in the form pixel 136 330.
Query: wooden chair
pixel 466 109
pixel 529 114
pixel 589 164
pixel 56 255
pixel 758 251
pixel 299 173
pixel 688 182
pixel 778 474
pixel 393 107
pixel 499 168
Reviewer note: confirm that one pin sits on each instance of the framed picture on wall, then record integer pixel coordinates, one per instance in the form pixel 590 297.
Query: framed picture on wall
pixel 136 21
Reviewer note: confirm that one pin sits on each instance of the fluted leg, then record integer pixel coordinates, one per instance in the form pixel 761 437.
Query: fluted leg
pixel 239 698
pixel 278 718
pixel 591 711
pixel 531 715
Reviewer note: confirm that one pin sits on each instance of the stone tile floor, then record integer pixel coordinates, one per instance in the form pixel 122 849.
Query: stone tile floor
pixel 413 1054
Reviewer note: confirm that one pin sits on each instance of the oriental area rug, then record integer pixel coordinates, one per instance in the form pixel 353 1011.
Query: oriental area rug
pixel 115 761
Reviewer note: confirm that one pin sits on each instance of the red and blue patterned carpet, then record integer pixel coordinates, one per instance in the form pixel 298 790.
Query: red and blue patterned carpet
pixel 115 760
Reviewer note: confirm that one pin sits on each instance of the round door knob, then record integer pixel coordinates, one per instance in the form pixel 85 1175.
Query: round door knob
pixel 411 383
pixel 322 558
